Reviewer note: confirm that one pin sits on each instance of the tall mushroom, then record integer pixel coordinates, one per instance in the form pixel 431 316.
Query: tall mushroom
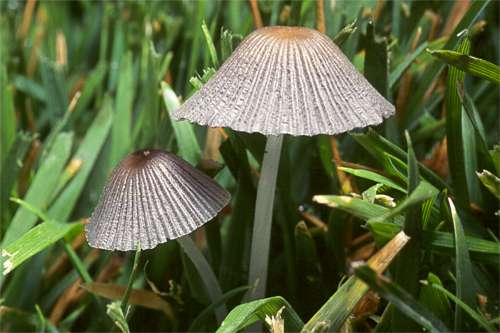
pixel 151 197
pixel 283 80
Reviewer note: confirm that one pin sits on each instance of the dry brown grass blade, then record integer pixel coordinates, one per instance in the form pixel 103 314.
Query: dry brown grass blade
pixel 314 220
pixel 257 19
pixel 61 49
pixel 460 7
pixel 69 297
pixel 438 162
pixel 27 16
pixel 320 16
pixel 381 260
pixel 213 141
pixel 140 297
pixel 345 181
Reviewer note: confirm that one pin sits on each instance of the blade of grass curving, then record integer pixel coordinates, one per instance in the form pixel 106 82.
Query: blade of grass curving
pixel 469 64
pixel 337 309
pixel 401 299
pixel 434 69
pixel 373 176
pixel 33 242
pixel 467 309
pixel 206 274
pixel 41 187
pixel 408 262
pixel 211 47
pixel 248 313
pixel 189 149
pixel 455 130
pixel 465 282
pixel 87 152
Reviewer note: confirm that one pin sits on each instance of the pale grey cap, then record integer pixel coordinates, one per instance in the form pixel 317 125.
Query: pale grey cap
pixel 287 80
pixel 152 197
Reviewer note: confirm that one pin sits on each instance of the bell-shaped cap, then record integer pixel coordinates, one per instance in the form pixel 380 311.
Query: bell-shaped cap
pixel 151 197
pixel 287 80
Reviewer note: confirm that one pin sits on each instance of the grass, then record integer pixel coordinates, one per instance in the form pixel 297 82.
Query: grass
pixel 82 84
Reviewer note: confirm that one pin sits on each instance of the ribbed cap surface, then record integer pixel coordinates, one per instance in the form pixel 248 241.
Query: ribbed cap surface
pixel 287 80
pixel 152 196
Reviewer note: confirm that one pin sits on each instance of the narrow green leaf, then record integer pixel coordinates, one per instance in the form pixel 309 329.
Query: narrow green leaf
pixel 403 301
pixel 210 45
pixel 247 313
pixel 34 241
pixel 373 176
pixel 408 262
pixel 189 149
pixel 346 31
pixel 87 152
pixel 465 282
pixel 40 190
pixel 467 309
pixel 469 64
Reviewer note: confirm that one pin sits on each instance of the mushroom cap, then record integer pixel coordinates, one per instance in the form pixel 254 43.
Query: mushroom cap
pixel 287 80
pixel 152 196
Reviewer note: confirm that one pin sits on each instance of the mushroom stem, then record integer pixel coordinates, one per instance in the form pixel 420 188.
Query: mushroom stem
pixel 206 274
pixel 261 237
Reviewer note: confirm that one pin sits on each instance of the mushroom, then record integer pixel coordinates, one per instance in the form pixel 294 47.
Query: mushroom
pixel 283 80
pixel 151 197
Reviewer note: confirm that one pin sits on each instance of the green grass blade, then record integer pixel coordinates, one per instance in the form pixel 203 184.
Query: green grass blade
pixel 189 149
pixel 490 181
pixel 465 282
pixel 34 241
pixel 247 313
pixel 469 64
pixel 408 262
pixel 206 274
pixel 7 116
pixel 402 300
pixel 455 131
pixel 40 190
pixel 467 309
pixel 210 44
pixel 87 152
pixel 373 176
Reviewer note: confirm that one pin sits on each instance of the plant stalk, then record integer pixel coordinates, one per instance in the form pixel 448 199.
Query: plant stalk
pixel 261 236
pixel 206 274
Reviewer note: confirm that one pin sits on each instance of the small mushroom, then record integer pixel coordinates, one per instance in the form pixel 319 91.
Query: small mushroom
pixel 287 80
pixel 151 197
pixel 283 80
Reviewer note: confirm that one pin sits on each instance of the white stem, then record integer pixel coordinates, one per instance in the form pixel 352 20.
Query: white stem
pixel 261 237
pixel 206 274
